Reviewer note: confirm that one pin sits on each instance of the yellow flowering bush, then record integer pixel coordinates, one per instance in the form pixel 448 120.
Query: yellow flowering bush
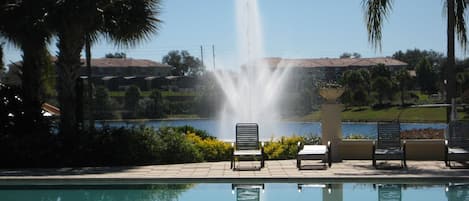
pixel 210 148
pixel 283 148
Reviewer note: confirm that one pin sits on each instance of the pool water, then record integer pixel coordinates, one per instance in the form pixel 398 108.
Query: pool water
pixel 240 192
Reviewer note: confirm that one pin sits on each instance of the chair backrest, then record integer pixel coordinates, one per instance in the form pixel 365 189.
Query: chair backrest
pixel 389 135
pixel 456 192
pixel 390 192
pixel 247 136
pixel 458 134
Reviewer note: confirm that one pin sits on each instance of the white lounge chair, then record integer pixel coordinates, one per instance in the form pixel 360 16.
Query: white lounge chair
pixel 314 152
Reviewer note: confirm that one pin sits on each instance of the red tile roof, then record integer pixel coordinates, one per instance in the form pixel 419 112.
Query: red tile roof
pixel 332 62
pixel 128 62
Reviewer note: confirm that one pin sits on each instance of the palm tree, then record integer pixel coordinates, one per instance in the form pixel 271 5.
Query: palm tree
pixel 24 24
pixel 125 22
pixel 377 10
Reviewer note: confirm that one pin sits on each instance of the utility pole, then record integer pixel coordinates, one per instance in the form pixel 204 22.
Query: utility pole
pixel 202 54
pixel 213 51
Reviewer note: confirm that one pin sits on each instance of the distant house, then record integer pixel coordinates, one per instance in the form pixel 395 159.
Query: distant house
pixel 115 73
pixel 305 71
pixel 332 68
pixel 119 73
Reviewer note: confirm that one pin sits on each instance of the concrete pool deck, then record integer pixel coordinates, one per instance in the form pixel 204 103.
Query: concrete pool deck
pixel 282 170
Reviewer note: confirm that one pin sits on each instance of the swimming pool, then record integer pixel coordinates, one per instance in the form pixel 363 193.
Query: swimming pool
pixel 240 192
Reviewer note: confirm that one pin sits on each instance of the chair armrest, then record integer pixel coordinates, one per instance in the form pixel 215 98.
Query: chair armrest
pixel 446 143
pixel 404 146
pixel 298 146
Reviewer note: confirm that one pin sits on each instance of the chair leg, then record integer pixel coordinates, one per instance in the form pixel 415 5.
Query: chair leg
pixel 329 159
pixel 232 163
pixel 374 160
pixel 298 163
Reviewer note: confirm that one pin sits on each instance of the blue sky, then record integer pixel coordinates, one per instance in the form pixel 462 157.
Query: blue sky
pixel 292 29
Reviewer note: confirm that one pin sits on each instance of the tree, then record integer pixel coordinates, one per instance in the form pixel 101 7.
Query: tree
pixel 2 65
pixel 119 55
pixel 404 82
pixel 413 57
pixel 183 63
pixel 383 88
pixel 350 55
pixel 24 24
pixel 104 104
pixel 153 106
pixel 356 87
pixel 426 76
pixel 377 10
pixel 124 22
pixel 131 98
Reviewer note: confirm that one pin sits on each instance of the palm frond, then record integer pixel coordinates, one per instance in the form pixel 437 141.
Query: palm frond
pixel 460 22
pixel 128 22
pixel 375 12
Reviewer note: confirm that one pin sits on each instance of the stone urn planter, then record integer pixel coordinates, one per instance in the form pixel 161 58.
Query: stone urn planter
pixel 331 94
pixel 331 121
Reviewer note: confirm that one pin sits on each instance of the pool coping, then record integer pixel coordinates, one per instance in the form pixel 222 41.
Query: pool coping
pixel 356 171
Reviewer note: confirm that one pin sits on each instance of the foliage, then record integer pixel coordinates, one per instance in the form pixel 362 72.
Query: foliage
pixel 427 77
pixel 357 87
pixel 284 148
pixel 350 55
pixel 104 104
pixel 153 106
pixel 404 82
pixel 210 148
pixel 382 86
pixel 118 55
pixel 357 137
pixel 183 63
pixel 78 22
pixel 2 64
pixel 22 142
pixel 203 134
pixel 176 147
pixel 413 57
pixel 131 98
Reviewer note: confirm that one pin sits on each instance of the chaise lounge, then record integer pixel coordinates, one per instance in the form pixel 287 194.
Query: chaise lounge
pixel 314 152
pixel 247 146
pixel 389 146
pixel 457 142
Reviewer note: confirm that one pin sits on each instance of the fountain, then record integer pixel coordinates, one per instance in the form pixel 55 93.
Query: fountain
pixel 252 94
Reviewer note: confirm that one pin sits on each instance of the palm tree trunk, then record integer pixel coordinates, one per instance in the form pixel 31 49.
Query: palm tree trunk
pixel 33 62
pixel 450 71
pixel 90 81
pixel 68 63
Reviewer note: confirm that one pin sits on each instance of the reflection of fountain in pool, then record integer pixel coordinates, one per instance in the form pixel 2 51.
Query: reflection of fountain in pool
pixel 252 95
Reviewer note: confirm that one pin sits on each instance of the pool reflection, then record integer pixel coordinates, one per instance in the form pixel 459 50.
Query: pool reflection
pixel 241 192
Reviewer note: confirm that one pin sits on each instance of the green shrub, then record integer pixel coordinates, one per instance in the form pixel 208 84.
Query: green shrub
pixel 357 137
pixel 284 148
pixel 176 148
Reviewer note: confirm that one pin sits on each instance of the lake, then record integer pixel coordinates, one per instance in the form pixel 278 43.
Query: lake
pixel 283 128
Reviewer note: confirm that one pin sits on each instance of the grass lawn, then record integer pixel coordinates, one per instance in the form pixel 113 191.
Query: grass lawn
pixel 357 114
pixel 147 93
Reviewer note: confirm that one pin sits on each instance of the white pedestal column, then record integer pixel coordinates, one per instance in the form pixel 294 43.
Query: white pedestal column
pixel 331 121
pixel 331 125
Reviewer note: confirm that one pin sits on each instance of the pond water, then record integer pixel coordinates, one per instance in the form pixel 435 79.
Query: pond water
pixel 240 192
pixel 284 128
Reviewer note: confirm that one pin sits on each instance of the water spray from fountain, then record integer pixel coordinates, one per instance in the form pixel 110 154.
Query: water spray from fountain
pixel 253 94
